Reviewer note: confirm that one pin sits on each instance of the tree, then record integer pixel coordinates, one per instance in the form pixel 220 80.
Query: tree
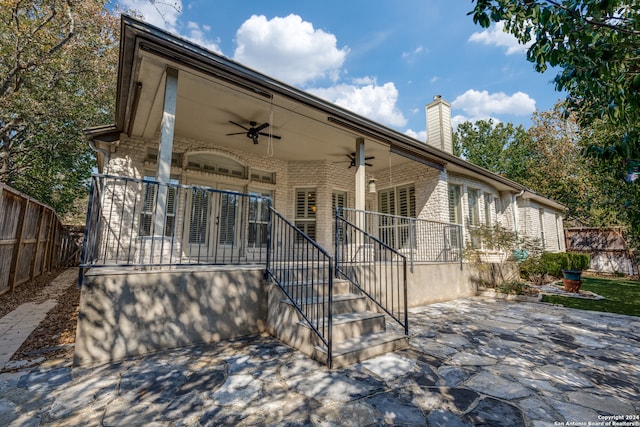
pixel 595 45
pixel 495 147
pixel 620 194
pixel 57 76
pixel 557 168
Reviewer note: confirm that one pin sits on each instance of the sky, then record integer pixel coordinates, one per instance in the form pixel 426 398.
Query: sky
pixel 381 59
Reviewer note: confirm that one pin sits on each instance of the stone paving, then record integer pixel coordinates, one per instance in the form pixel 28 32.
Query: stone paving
pixel 470 362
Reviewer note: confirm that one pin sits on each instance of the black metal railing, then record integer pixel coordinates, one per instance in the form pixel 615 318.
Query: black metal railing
pixel 420 240
pixel 304 272
pixel 143 223
pixel 375 268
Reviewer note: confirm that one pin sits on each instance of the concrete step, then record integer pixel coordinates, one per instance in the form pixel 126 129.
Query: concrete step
pixel 304 289
pixel 343 303
pixel 357 349
pixel 354 324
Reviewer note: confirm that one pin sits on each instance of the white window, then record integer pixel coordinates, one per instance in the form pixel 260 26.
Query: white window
pixel 306 211
pixel 258 217
pixel 338 200
pixel 214 163
pixel 150 208
pixel 488 201
pixel 542 237
pixel 152 156
pixel 397 201
pixel 473 196
pixel 455 204
pixel 263 176
pixel 199 214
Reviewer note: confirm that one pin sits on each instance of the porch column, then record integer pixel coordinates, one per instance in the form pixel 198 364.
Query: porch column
pixel 361 182
pixel 163 173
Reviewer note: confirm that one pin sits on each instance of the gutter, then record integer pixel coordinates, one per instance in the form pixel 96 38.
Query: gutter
pixel 106 134
pixel 104 152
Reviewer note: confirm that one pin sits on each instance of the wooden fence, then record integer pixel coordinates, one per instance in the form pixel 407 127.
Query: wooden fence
pixel 606 245
pixel 32 239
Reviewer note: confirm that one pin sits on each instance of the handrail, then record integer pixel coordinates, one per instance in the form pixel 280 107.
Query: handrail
pixel 304 272
pixel 145 224
pixel 420 239
pixel 375 268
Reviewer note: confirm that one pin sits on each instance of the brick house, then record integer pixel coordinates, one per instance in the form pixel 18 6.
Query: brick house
pixel 227 201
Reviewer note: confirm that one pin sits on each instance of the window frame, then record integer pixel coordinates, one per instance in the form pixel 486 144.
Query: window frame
pixel 306 219
pixel 149 204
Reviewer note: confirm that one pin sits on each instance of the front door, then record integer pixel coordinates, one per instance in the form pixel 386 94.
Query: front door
pixel 213 220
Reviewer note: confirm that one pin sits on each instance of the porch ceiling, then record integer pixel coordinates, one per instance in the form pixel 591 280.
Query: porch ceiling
pixel 205 105
pixel 213 90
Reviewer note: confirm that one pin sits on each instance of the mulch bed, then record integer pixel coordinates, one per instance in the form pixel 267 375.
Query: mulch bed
pixel 55 336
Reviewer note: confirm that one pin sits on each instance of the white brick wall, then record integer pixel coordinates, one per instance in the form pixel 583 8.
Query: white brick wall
pixel 536 218
pixel 431 185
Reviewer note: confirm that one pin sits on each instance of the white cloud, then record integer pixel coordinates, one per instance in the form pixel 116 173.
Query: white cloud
pixel 289 49
pixel 161 14
pixel 459 118
pixel 166 15
pixel 495 36
pixel 197 34
pixel 369 100
pixel 411 56
pixel 482 104
pixel 420 135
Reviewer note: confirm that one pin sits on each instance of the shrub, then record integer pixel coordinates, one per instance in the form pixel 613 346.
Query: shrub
pixel 579 261
pixel 517 288
pixel 552 264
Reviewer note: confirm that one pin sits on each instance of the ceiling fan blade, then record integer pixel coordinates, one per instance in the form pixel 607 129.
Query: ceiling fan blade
pixel 272 136
pixel 262 126
pixel 238 124
pixel 236 133
pixel 368 164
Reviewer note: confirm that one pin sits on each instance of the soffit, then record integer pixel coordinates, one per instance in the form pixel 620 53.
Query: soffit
pixel 206 105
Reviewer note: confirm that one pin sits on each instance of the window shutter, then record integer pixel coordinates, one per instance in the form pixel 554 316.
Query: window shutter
pixel 407 201
pixel 198 223
pixel 227 218
pixel 474 213
pixel 488 201
pixel 454 204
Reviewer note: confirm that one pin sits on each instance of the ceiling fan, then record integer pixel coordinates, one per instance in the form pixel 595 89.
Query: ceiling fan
pixel 254 131
pixel 352 158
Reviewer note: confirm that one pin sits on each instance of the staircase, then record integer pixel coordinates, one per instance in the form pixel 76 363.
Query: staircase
pixel 334 321
pixel 358 332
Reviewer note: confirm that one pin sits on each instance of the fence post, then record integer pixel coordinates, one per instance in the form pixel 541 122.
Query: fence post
pixel 37 248
pixel 13 273
pixel 49 244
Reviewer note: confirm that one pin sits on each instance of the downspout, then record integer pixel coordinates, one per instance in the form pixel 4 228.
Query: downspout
pixel 104 152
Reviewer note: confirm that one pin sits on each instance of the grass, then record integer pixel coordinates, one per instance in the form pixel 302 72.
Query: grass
pixel 622 296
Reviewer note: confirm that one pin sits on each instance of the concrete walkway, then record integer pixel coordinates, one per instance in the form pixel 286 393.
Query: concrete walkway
pixel 16 326
pixel 471 362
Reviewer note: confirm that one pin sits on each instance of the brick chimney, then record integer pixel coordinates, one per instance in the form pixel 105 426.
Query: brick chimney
pixel 439 131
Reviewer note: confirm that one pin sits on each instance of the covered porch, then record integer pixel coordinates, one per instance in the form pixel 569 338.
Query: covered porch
pixel 215 178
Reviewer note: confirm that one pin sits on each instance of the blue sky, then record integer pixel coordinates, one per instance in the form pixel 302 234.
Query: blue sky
pixel 384 60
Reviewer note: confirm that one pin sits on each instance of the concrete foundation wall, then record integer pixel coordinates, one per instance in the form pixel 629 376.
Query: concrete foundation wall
pixel 130 313
pixel 431 283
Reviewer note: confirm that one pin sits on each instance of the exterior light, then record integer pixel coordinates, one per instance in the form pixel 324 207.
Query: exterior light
pixel 372 185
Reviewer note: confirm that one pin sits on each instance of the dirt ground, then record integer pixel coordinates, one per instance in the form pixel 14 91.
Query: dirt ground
pixel 54 338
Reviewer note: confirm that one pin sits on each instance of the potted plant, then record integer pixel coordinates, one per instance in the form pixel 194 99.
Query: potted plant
pixel 572 266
